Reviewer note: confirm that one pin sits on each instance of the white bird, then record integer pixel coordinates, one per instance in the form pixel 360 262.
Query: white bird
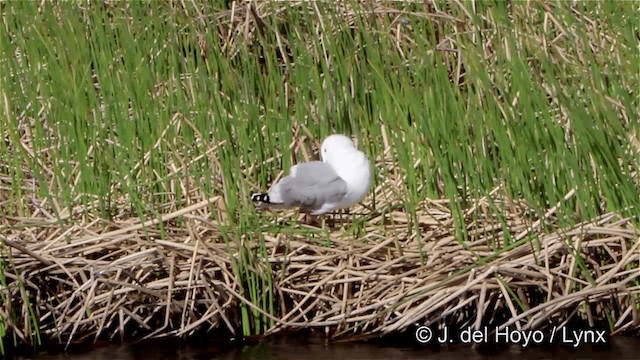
pixel 340 180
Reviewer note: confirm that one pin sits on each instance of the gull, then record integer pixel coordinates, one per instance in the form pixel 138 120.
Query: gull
pixel 340 180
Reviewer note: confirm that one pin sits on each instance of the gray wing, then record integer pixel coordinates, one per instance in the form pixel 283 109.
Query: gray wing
pixel 311 185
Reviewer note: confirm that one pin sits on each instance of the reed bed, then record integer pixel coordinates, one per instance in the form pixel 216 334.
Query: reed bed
pixel 380 272
pixel 124 279
pixel 504 139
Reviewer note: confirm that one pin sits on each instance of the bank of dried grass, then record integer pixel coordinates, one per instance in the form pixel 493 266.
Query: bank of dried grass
pixel 91 278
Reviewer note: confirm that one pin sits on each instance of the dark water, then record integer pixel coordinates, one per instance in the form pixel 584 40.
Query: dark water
pixel 616 348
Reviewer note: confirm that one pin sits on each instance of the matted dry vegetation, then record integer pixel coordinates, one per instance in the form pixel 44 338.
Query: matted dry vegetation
pixel 124 279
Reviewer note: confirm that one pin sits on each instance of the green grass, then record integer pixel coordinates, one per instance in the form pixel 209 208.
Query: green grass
pixel 108 107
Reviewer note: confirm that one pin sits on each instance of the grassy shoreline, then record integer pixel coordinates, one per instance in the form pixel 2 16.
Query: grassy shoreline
pixel 504 140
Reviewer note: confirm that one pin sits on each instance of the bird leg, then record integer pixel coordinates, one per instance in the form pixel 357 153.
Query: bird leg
pixel 341 219
pixel 313 220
